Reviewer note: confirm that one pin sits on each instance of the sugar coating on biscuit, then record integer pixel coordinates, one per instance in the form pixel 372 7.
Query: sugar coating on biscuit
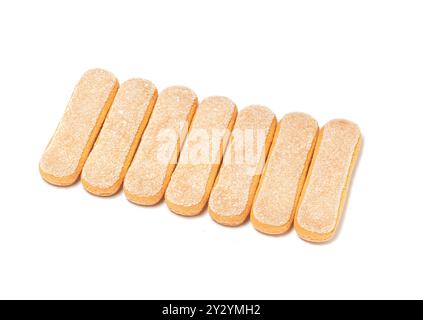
pixel 131 109
pixel 285 166
pixel 319 209
pixel 159 145
pixel 89 102
pixel 243 162
pixel 202 150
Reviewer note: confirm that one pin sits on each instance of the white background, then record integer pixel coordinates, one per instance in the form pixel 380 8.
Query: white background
pixel 360 60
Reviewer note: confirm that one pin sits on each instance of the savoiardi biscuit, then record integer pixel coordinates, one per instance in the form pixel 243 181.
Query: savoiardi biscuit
pixel 322 199
pixel 234 189
pixel 157 154
pixel 68 149
pixel 284 173
pixel 116 144
pixel 200 158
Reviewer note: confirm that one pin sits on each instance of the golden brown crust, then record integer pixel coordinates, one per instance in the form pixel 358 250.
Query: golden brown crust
pixel 270 229
pixel 195 209
pixel 134 184
pixel 48 160
pixel 318 237
pixel 239 218
pixel 274 229
pixel 95 178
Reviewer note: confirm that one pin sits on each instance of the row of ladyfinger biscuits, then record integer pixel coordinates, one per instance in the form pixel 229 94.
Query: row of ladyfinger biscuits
pixel 114 136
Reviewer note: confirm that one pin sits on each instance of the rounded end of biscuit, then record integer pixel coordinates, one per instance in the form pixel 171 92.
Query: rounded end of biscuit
pixel 299 116
pixel 267 228
pixel 229 221
pixel 143 200
pixel 140 83
pixel 220 101
pixel 182 91
pixel 65 181
pixel 98 72
pixel 343 124
pixel 182 210
pixel 101 192
pixel 181 205
pixel 313 237
pixel 258 108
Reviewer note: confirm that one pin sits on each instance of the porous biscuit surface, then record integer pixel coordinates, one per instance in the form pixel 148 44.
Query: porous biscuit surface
pixel 202 150
pixel 285 171
pixel 79 125
pixel 130 110
pixel 326 185
pixel 243 162
pixel 159 145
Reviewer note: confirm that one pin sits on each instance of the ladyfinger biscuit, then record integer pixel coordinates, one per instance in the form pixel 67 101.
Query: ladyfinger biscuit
pixel 65 155
pixel 155 159
pixel 116 144
pixel 284 173
pixel 234 189
pixel 322 199
pixel 193 178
